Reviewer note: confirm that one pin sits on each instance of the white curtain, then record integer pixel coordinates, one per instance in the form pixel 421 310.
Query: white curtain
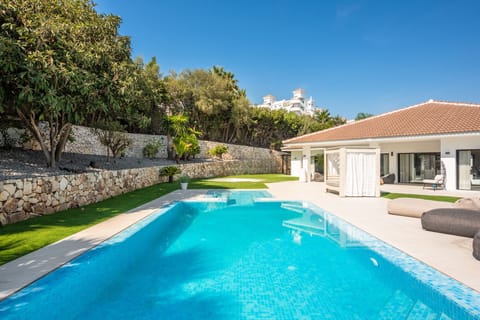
pixel 407 168
pixel 464 167
pixel 333 164
pixel 361 174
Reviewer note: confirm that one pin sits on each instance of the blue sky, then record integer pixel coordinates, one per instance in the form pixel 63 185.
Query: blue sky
pixel 351 56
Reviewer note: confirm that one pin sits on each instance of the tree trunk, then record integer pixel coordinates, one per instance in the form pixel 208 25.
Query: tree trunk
pixel 62 141
pixel 29 121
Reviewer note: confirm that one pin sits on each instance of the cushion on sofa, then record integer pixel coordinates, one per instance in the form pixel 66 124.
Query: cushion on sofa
pixel 468 203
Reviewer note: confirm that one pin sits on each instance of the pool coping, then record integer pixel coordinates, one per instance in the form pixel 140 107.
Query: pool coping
pixel 452 289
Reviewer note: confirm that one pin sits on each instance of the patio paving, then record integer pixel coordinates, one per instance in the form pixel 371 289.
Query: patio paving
pixel 419 189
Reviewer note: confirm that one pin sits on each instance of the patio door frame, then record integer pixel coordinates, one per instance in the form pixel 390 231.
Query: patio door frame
pixel 437 165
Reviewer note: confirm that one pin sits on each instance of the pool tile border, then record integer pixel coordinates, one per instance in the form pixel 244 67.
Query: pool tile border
pixel 454 290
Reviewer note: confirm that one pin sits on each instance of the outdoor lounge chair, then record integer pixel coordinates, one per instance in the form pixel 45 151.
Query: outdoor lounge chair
pixel 388 179
pixel 435 183
pixel 456 221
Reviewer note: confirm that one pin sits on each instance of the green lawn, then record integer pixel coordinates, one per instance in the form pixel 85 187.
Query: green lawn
pixel 389 195
pixel 266 178
pixel 23 237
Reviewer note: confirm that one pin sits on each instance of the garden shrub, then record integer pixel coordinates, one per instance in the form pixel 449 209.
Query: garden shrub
pixel 151 149
pixel 218 151
pixel 169 172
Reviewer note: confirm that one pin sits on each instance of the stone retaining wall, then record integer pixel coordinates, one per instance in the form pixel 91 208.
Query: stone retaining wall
pixel 86 142
pixel 23 198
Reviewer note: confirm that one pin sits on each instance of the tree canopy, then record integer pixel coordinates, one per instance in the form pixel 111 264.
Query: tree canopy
pixel 62 63
pixel 363 115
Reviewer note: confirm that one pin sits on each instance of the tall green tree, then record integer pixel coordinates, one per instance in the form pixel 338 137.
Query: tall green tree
pixel 363 115
pixel 61 61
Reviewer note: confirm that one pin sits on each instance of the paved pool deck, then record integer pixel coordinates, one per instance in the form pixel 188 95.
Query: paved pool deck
pixel 448 254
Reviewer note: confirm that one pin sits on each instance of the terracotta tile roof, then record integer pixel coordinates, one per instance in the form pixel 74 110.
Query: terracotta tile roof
pixel 428 118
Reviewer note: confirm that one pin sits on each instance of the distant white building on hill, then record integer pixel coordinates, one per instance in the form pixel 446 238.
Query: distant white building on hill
pixel 297 103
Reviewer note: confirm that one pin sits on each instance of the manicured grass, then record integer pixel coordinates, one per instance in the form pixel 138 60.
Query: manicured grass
pixel 23 237
pixel 266 178
pixel 389 195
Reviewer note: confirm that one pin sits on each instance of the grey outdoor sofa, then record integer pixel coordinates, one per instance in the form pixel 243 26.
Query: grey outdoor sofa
pixel 456 221
pixel 476 245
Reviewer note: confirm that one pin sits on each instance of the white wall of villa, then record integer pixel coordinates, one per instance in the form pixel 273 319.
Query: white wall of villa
pixel 296 163
pixel 447 147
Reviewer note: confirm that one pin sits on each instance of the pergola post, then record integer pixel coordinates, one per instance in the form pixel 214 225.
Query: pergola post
pixel 306 155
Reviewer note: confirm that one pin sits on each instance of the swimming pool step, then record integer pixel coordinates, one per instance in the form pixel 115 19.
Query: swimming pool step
pixel 398 307
pixel 293 207
pixel 422 311
pixel 401 306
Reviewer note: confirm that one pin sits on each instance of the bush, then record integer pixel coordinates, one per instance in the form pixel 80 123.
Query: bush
pixel 151 149
pixel 169 172
pixel 218 151
pixel 184 179
pixel 7 141
pixel 113 136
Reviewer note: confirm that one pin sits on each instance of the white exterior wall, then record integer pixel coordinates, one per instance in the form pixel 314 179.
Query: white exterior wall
pixel 449 147
pixel 296 163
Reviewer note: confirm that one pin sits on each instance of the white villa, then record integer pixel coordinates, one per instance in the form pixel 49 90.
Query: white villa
pixel 414 143
pixel 297 103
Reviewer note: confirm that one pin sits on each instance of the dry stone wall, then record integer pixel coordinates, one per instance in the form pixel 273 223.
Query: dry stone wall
pixel 86 142
pixel 23 198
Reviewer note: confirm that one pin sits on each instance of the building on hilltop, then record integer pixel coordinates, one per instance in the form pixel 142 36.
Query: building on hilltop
pixel 297 103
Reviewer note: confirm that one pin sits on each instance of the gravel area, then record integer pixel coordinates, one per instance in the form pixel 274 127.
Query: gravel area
pixel 19 163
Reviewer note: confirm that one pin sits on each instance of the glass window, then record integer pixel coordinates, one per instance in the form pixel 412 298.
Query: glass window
pixel 384 164
pixel 414 167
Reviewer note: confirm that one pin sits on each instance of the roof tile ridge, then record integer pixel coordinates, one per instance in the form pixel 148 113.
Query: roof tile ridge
pixel 395 111
pixel 470 104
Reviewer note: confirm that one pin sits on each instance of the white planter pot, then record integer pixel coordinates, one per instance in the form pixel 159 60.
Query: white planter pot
pixel 184 185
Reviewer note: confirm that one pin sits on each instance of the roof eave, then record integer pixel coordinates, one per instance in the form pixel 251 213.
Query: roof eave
pixel 297 145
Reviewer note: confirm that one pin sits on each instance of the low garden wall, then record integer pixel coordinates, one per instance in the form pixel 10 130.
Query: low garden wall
pixel 21 199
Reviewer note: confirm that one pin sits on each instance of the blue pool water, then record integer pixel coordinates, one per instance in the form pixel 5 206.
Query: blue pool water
pixel 237 258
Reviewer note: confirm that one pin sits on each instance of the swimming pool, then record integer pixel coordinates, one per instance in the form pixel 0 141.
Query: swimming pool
pixel 234 257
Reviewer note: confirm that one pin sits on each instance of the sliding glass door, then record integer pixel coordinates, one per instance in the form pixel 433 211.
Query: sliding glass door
pixel 414 167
